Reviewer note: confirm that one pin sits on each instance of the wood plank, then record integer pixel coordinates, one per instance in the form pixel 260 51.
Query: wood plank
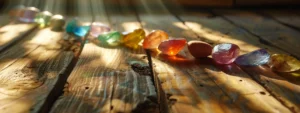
pixel 103 80
pixel 286 17
pixel 26 80
pixel 31 69
pixel 267 30
pixel 9 34
pixel 265 2
pixel 199 85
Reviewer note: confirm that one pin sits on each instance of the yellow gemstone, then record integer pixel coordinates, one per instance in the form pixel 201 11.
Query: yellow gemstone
pixel 133 39
pixel 284 63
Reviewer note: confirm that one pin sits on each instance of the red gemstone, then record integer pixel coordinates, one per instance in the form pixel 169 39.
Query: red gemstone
pixel 225 53
pixel 172 46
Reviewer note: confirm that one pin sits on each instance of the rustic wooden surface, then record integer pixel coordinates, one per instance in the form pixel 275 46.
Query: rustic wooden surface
pixel 41 72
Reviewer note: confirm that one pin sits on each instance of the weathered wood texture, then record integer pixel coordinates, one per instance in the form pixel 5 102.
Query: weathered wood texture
pixel 290 18
pixel 281 88
pixel 30 71
pixel 103 80
pixel 267 30
pixel 199 85
pixel 13 32
pixel 265 2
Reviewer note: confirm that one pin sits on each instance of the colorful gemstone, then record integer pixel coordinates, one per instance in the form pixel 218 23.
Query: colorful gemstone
pixel 81 31
pixel 199 49
pixel 28 14
pixel 153 40
pixel 172 46
pixel 254 58
pixel 71 25
pixel 110 38
pixel 98 28
pixel 57 22
pixel 284 63
pixel 16 11
pixel 133 39
pixel 43 18
pixel 225 53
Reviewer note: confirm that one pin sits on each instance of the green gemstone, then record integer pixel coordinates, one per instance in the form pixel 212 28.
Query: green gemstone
pixel 43 18
pixel 110 38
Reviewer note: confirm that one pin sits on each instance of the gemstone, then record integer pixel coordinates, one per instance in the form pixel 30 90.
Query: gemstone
pixel 284 63
pixel 71 25
pixel 43 18
pixel 28 14
pixel 225 53
pixel 199 49
pixel 16 11
pixel 254 58
pixel 81 31
pixel 110 38
pixel 172 46
pixel 57 22
pixel 98 28
pixel 154 39
pixel 133 39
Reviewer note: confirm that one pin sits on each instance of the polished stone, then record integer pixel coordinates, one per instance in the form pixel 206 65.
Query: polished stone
pixel 225 53
pixel 28 14
pixel 254 58
pixel 284 63
pixel 16 11
pixel 110 38
pixel 71 25
pixel 172 46
pixel 43 18
pixel 81 31
pixel 199 49
pixel 133 39
pixel 98 28
pixel 57 23
pixel 154 39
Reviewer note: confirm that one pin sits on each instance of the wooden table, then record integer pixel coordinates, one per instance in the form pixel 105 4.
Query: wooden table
pixel 47 71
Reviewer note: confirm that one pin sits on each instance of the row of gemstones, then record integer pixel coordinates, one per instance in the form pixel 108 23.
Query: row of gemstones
pixel 225 53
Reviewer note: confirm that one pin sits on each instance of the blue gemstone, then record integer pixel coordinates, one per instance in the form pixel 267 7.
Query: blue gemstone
pixel 81 31
pixel 254 58
pixel 71 25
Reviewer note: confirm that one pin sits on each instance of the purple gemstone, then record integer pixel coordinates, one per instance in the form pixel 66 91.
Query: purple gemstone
pixel 28 14
pixel 98 29
pixel 254 58
pixel 225 53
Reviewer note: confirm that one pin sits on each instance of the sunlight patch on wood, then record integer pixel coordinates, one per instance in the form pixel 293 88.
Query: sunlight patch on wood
pixel 9 32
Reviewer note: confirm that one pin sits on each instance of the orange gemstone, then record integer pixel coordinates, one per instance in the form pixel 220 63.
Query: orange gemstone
pixel 133 39
pixel 172 46
pixel 154 39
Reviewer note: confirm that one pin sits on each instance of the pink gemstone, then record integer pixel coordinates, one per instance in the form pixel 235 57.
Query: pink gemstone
pixel 225 53
pixel 172 46
pixel 98 29
pixel 28 14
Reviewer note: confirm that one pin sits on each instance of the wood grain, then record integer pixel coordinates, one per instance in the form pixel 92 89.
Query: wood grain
pixel 103 80
pixel 199 85
pixel 267 30
pixel 286 17
pixel 28 77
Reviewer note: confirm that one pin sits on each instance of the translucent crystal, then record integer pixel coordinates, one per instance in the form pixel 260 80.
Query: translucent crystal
pixel 284 63
pixel 254 58
pixel 133 39
pixel 28 14
pixel 154 39
pixel 172 46
pixel 98 28
pixel 225 53
pixel 43 18
pixel 110 38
